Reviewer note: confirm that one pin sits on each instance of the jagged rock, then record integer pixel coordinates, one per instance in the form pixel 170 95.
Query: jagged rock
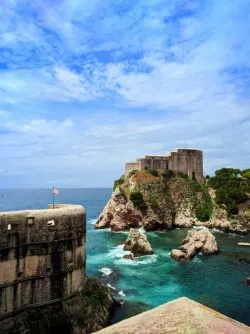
pixel 196 241
pixel 167 204
pixel 119 214
pixel 137 243
pixel 129 256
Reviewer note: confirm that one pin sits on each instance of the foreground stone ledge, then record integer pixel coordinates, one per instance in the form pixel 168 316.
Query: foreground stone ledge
pixel 180 316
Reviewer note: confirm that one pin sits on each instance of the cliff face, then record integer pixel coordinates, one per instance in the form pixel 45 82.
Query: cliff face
pixel 162 202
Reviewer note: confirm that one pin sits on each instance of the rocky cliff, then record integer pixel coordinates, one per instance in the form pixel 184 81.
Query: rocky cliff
pixel 161 200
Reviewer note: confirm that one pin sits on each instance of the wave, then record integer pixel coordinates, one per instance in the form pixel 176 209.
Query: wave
pixel 121 293
pixel 111 287
pixel 92 221
pixel 117 254
pixel 106 271
pixel 200 228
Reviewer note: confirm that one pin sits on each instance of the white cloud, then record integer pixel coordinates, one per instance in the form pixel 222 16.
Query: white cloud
pixel 42 127
pixel 87 85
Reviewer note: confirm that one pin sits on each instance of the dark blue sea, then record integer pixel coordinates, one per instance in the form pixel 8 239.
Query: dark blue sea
pixel 216 281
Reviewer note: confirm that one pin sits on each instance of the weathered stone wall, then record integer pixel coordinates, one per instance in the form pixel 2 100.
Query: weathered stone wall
pixel 42 257
pixel 131 166
pixel 188 161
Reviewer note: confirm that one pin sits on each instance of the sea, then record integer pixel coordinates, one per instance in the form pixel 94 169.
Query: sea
pixel 217 281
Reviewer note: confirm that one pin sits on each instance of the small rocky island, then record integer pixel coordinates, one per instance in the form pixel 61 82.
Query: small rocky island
pixel 137 244
pixel 196 241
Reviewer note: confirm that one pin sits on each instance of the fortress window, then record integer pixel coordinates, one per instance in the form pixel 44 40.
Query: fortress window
pixel 9 227
pixel 20 274
pixel 51 223
pixel 48 270
pixel 30 220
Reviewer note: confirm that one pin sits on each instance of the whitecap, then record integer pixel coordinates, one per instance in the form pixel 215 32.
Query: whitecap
pixel 200 228
pixel 111 287
pixel 117 253
pixel 197 259
pixel 92 221
pixel 106 271
pixel 217 231
pixel 147 259
pixel 102 230
pixel 121 293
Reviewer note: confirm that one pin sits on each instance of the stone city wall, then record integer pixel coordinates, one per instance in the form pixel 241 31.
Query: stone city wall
pixel 42 257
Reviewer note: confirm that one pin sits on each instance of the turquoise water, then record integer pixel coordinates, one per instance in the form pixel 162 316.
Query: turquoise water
pixel 217 281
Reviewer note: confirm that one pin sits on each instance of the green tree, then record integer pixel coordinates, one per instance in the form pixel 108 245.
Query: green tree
pixel 137 199
pixel 231 186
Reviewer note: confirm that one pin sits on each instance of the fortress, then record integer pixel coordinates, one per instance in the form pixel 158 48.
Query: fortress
pixel 42 261
pixel 185 160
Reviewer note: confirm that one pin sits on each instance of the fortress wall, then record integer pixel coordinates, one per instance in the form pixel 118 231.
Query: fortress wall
pixel 189 161
pixel 131 166
pixel 42 257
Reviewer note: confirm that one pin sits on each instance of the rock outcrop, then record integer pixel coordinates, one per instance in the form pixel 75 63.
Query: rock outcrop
pixel 97 307
pixel 87 312
pixel 137 244
pixel 162 202
pixel 196 241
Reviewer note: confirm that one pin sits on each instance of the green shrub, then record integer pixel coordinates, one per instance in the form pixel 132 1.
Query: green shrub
pixel 118 182
pixel 132 172
pixel 182 175
pixel 153 200
pixel 231 187
pixel 153 172
pixel 196 187
pixel 137 199
pixel 246 173
pixel 204 210
pixel 167 174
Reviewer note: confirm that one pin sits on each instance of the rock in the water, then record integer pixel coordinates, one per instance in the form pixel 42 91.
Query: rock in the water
pixel 137 243
pixel 129 256
pixel 196 241
pixel 248 281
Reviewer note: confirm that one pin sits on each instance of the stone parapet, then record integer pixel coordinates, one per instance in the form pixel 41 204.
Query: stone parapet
pixel 42 257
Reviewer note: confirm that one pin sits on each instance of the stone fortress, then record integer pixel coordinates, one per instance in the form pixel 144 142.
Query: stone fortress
pixel 42 261
pixel 185 160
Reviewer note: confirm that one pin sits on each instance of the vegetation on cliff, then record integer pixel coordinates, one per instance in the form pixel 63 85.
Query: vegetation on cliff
pixel 118 182
pixel 156 200
pixel 161 200
pixel 232 188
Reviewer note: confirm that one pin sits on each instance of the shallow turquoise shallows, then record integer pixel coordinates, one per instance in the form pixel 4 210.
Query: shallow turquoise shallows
pixel 217 281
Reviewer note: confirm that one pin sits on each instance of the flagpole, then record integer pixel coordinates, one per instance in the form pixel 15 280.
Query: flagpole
pixel 53 195
pixel 55 192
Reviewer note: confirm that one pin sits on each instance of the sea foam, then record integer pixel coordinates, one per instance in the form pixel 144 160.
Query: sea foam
pixel 121 293
pixel 92 221
pixel 117 254
pixel 106 271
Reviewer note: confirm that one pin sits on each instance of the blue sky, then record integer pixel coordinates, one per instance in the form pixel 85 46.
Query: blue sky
pixel 87 85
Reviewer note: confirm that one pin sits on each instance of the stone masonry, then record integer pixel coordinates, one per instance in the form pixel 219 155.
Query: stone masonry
pixel 186 160
pixel 42 258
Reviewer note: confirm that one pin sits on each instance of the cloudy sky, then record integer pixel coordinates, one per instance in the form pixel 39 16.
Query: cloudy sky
pixel 87 85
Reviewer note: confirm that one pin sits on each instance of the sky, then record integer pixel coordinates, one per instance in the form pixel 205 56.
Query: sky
pixel 86 86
